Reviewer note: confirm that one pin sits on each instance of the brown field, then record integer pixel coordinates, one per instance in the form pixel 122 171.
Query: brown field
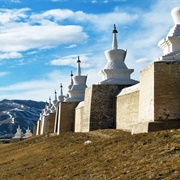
pixel 113 154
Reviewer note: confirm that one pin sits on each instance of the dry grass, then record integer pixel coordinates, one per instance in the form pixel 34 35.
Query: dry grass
pixel 112 155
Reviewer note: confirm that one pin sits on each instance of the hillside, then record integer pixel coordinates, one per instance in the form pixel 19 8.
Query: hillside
pixel 18 112
pixel 113 154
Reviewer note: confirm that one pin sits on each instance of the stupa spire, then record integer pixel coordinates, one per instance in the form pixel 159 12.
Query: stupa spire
pixel 61 97
pixel 61 87
pixel 114 43
pixel 71 78
pixel 55 93
pixel 78 67
pixel 49 102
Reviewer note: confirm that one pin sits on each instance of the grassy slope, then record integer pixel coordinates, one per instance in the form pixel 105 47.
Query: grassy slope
pixel 112 155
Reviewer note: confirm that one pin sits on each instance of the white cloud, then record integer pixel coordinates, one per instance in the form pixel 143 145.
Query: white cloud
pixel 36 89
pixel 42 89
pixel 21 31
pixel 100 21
pixel 43 31
pixel 71 60
pixel 56 14
pixel 72 46
pixel 94 1
pixel 142 60
pixel 105 1
pixel 28 37
pixel 2 74
pixel 16 1
pixel 8 15
pixel 10 55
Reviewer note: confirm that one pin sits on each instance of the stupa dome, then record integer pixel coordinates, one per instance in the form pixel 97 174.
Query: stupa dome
pixel 116 71
pixel 171 43
pixel 77 87
pixel 176 15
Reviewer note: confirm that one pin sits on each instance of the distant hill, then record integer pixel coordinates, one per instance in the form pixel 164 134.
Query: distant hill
pixel 112 155
pixel 18 112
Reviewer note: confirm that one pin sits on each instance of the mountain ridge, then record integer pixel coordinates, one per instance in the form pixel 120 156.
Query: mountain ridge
pixel 18 112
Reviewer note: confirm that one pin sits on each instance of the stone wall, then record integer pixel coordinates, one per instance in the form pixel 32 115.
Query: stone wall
pixel 44 124
pixel 79 112
pixel 146 96
pixel 51 122
pixel 56 120
pixel 100 107
pixel 34 129
pixel 159 97
pixel 167 90
pixel 87 110
pixel 66 118
pixel 160 92
pixel 38 127
pixel 127 108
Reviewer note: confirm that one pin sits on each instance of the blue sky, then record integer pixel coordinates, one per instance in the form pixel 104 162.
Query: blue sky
pixel 41 39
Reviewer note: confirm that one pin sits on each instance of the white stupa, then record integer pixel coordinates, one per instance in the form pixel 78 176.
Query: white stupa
pixel 47 109
pixel 77 86
pixel 61 96
pixel 28 133
pixel 56 101
pixel 171 44
pixel 44 117
pixel 19 134
pixel 116 71
pixel 54 104
pixel 69 86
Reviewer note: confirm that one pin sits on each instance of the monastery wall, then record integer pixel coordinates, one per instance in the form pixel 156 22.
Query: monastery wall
pixel 37 130
pixel 44 124
pixel 34 129
pixel 66 117
pixel 127 108
pixel 100 107
pixel 146 95
pixel 56 119
pixel 51 122
pixel 167 90
pixel 86 110
pixel 79 112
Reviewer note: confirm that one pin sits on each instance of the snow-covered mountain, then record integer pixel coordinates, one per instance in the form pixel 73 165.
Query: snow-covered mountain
pixel 18 112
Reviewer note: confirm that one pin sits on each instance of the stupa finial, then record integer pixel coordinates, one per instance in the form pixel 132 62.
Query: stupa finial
pixel 61 87
pixel 78 67
pixel 71 78
pixel 49 101
pixel 114 43
pixel 55 95
pixel 176 15
pixel 114 30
